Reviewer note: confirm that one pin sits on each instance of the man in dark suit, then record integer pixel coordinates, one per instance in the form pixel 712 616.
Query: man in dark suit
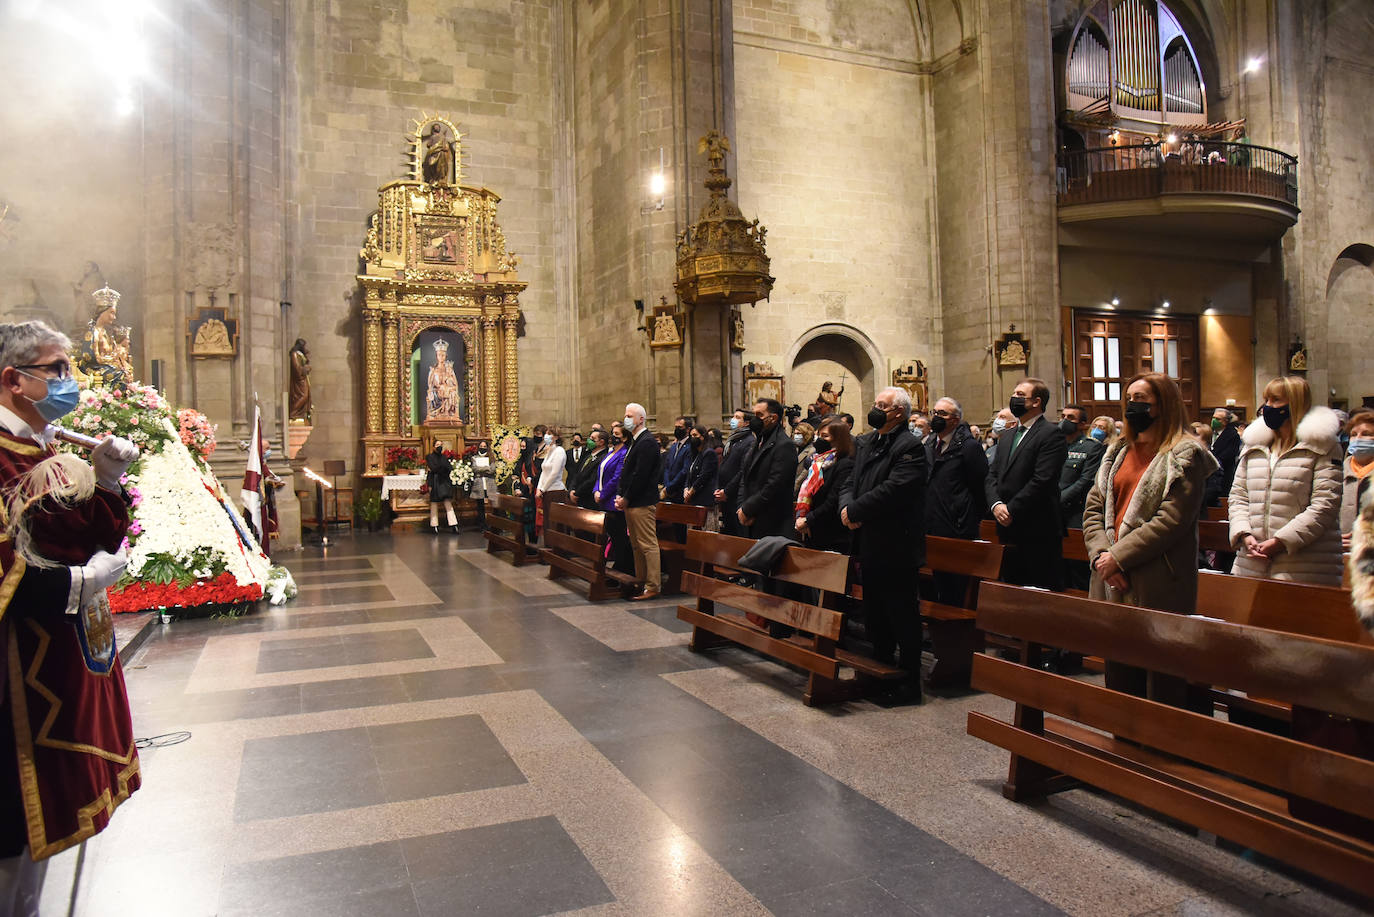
pixel 883 504
pixel 577 456
pixel 1226 450
pixel 958 470
pixel 1023 490
pixel 737 449
pixel 583 486
pixel 1075 480
pixel 637 498
pixel 676 460
pixel 763 491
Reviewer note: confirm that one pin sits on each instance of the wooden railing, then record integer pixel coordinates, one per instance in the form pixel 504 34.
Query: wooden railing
pixel 1148 170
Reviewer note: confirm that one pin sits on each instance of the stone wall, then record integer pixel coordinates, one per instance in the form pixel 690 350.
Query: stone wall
pixel 835 158
pixel 363 70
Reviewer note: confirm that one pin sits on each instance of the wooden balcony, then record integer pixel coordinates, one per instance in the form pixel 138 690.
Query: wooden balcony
pixel 1207 189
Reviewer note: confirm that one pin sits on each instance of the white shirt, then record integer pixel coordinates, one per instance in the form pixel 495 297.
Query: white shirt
pixel 551 472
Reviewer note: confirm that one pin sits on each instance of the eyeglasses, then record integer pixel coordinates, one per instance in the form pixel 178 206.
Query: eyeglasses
pixel 59 368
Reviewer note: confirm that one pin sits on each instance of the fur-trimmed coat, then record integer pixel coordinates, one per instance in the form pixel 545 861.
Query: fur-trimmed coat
pixel 1362 566
pixel 1296 499
pixel 1157 545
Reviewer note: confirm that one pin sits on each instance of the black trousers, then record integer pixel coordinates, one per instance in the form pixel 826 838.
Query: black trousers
pixel 622 554
pixel 892 615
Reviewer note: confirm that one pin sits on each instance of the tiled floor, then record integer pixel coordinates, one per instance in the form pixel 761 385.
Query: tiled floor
pixel 428 730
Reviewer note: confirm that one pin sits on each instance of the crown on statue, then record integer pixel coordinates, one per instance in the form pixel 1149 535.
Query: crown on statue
pixel 441 347
pixel 105 299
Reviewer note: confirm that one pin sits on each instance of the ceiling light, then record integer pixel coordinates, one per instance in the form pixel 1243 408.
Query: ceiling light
pixel 1115 301
pixel 1252 65
pixel 1164 305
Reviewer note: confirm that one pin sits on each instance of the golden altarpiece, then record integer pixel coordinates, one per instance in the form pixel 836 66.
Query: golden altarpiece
pixel 441 307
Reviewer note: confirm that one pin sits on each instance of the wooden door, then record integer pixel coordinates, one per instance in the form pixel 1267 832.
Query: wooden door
pixel 1111 347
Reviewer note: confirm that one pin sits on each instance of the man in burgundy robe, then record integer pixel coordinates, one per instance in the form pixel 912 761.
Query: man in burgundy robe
pixel 67 756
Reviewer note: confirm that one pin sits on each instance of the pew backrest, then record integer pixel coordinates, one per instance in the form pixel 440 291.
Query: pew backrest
pixel 1296 608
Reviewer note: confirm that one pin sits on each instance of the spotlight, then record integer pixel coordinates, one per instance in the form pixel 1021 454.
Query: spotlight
pixel 1252 65
pixel 124 106
pixel 1164 305
pixel 1172 138
pixel 1116 301
pixel 657 184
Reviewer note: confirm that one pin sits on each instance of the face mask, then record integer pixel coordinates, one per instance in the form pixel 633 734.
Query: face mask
pixel 615 440
pixel 798 439
pixel 1362 448
pixel 679 432
pixel 1138 416
pixel 62 398
pixel 823 446
pixel 755 424
pixel 577 444
pixel 629 424
pixel 1275 417
pixel 734 423
pixel 696 442
pixel 482 449
pixel 1098 434
pixel 1067 426
pixel 1017 405
pixel 548 439
pixel 877 418
pixel 1217 424
pixel 999 425
pixel 938 424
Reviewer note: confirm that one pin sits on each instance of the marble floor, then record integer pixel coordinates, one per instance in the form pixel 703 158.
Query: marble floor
pixel 428 730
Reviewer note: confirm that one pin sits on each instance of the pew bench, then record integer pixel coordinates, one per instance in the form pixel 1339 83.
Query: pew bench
pixel 1287 798
pixel 505 527
pixel 953 630
pixel 575 545
pixel 718 617
pixel 673 553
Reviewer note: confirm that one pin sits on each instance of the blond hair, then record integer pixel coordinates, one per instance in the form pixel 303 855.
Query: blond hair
pixel 1298 394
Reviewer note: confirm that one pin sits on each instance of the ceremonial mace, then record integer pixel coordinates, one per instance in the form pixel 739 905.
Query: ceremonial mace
pixel 80 439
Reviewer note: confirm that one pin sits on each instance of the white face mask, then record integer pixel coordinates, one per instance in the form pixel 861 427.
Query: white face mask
pixel 734 423
pixel 629 424
pixel 999 425
pixel 548 439
pixel 798 439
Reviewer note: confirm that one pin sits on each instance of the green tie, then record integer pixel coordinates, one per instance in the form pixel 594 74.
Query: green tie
pixel 1015 439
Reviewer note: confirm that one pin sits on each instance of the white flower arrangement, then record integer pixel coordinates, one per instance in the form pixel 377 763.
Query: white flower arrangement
pixel 461 476
pixel 182 510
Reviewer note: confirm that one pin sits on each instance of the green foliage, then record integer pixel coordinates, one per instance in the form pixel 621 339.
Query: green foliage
pixel 164 567
pixel 369 505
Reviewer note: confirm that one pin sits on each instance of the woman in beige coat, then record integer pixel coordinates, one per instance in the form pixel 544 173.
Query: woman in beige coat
pixel 1286 499
pixel 1140 522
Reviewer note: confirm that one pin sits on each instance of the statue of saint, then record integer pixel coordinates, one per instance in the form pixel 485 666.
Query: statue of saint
pixel 441 402
pixel 300 406
pixel 828 401
pixel 102 357
pixel 437 168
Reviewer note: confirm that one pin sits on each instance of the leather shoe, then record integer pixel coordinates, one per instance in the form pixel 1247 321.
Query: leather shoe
pixel 646 594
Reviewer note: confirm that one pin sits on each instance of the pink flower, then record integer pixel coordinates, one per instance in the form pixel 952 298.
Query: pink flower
pixel 135 528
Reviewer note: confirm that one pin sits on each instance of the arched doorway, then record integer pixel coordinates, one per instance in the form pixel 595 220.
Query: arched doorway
pixel 1349 297
pixel 837 354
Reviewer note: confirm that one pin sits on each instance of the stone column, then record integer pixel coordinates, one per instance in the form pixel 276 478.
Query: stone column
pixel 372 369
pixel 391 398
pixel 491 371
pixel 510 372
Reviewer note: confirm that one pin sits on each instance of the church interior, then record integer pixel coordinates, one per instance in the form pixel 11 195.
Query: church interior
pixel 358 230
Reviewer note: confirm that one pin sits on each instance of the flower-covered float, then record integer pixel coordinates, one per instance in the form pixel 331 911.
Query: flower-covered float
pixel 188 547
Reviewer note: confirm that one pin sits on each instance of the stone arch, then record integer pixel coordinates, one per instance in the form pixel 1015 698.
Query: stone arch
pixel 1349 302
pixel 822 353
pixel 941 26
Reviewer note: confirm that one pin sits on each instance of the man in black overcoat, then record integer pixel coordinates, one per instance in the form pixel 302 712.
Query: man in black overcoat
pixel 763 490
pixel 883 504
pixel 737 449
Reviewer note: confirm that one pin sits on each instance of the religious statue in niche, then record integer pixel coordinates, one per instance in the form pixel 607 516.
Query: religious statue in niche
pixel 828 401
pixel 441 389
pixel 104 355
pixel 913 378
pixel 300 407
pixel 666 331
pixel 1012 350
pixel 1297 357
pixel 736 331
pixel 437 166
pixel 213 334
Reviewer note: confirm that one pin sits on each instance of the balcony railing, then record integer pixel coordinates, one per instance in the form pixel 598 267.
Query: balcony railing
pixel 1207 167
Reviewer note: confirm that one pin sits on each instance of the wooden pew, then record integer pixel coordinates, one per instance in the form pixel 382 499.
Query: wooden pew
pixel 814 650
pixel 953 632
pixel 673 553
pixel 505 529
pixel 1214 536
pixel 575 545
pixel 1219 513
pixel 1235 782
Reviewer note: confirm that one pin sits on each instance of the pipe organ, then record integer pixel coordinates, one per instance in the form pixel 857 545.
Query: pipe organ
pixel 1134 56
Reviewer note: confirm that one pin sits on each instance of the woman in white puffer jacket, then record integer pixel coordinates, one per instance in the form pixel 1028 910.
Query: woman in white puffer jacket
pixel 1285 502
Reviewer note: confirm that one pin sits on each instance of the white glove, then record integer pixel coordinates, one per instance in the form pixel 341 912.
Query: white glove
pixel 111 459
pixel 101 572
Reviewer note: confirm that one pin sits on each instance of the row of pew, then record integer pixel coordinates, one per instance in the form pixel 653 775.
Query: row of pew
pixel 1285 766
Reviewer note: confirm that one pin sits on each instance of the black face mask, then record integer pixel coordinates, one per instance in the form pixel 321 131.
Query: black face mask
pixel 1274 417
pixel 679 432
pixel 755 424
pixel 938 423
pixel 1067 427
pixel 1138 416
pixel 696 443
pixel 822 446
pixel 1017 405
pixel 615 440
pixel 877 418
pixel 482 449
